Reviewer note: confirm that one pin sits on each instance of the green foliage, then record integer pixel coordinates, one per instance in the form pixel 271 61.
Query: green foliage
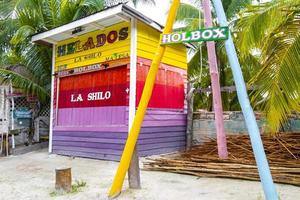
pixel 198 69
pixel 267 37
pixel 77 187
pixel 24 83
pixel 189 15
pixel 273 30
pixel 79 184
pixel 19 20
pixel 232 7
pixel 150 2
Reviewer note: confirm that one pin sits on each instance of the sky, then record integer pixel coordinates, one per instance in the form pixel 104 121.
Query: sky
pixel 159 12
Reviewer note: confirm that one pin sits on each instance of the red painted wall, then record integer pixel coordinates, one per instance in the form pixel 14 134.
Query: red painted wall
pixel 168 91
pixel 74 91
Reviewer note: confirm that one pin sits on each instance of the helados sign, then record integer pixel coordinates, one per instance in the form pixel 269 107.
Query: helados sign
pixel 209 34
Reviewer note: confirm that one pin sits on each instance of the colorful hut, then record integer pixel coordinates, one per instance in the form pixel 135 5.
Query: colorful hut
pixel 100 64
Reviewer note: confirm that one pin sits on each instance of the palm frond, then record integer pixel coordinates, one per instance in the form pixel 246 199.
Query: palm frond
pixel 7 8
pixel 235 6
pixel 187 11
pixel 150 2
pixel 278 79
pixel 87 7
pixel 25 84
pixel 51 13
pixel 258 21
pixel 22 34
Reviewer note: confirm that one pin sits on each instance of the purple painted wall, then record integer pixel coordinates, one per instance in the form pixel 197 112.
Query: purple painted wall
pixel 92 116
pixel 163 131
pixel 109 145
pixel 101 132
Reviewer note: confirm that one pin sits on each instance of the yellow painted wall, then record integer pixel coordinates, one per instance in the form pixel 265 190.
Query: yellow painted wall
pixel 148 39
pixel 95 55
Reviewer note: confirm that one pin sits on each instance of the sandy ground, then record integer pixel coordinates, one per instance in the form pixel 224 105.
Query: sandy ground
pixel 31 177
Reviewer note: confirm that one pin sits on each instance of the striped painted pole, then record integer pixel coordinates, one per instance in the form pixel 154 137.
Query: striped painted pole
pixel 215 82
pixel 257 146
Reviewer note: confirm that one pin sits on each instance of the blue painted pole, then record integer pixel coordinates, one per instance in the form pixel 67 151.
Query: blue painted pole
pixel 257 145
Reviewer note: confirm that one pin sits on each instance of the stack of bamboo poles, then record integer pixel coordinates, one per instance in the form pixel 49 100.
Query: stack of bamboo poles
pixel 282 150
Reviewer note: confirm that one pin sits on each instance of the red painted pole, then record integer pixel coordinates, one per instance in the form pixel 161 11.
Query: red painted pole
pixel 217 101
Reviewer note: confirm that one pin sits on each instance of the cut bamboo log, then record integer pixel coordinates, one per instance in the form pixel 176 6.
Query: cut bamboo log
pixel 283 152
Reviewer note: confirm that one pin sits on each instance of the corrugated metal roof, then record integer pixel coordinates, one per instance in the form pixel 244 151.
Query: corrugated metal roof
pixel 97 21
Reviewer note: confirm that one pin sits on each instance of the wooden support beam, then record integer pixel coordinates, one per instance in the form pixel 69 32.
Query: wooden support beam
pixel 215 82
pixel 223 89
pixel 134 172
pixel 190 114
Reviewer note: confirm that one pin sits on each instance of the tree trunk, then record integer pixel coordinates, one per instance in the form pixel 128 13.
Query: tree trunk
pixel 63 179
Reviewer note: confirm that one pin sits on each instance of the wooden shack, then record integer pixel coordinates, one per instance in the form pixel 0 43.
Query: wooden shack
pixel 100 64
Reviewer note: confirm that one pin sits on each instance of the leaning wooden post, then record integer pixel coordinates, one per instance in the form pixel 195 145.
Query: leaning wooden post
pixel 63 181
pixel 215 82
pixel 257 145
pixel 143 104
pixel 134 172
pixel 190 116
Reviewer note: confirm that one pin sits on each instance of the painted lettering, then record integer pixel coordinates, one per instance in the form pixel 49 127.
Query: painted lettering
pixel 196 35
pixel 112 36
pixel 209 34
pixel 71 48
pixel 94 96
pixel 176 37
pixel 101 40
pixel 89 44
pixel 185 38
pixel 166 38
pixel 61 50
pixel 117 56
pixel 87 57
pixel 219 33
pixel 77 59
pixel 76 98
pixel 78 46
pixel 123 34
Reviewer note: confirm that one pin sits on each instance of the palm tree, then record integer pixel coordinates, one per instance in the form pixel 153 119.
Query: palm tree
pixel 19 19
pixel 272 30
pixel 27 17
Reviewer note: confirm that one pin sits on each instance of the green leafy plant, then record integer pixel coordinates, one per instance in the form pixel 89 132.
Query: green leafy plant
pixel 79 184
pixel 77 187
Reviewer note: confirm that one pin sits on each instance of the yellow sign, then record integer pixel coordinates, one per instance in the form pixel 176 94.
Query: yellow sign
pixel 95 47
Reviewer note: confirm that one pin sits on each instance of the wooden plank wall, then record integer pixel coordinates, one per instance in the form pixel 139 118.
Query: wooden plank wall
pixel 148 39
pixel 96 131
pixel 164 126
pixel 88 52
